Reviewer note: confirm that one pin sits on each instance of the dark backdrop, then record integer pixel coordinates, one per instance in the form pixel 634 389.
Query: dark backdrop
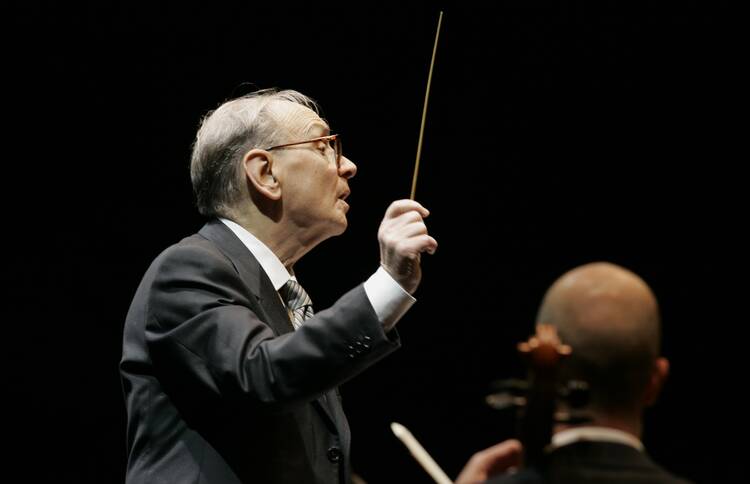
pixel 558 134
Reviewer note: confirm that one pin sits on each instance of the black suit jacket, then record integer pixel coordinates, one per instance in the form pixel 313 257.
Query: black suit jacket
pixel 595 463
pixel 218 386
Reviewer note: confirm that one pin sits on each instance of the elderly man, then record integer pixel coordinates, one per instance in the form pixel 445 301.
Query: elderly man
pixel 228 374
pixel 610 318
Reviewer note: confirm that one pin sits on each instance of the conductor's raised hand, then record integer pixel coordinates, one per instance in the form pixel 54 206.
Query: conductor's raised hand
pixel 403 237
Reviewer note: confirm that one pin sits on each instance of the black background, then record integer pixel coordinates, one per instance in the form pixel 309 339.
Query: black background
pixel 558 134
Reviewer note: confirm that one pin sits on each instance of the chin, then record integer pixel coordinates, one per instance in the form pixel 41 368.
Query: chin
pixel 333 227
pixel 340 226
pixel 340 222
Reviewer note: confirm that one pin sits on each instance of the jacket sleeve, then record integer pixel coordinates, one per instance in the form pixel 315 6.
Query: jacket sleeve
pixel 208 342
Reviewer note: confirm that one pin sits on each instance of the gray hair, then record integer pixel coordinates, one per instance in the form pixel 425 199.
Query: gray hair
pixel 225 135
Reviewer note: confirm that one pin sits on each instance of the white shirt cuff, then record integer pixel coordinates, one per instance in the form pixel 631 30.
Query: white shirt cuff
pixel 387 297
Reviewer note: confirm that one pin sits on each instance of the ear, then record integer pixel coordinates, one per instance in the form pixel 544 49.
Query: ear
pixel 659 374
pixel 257 165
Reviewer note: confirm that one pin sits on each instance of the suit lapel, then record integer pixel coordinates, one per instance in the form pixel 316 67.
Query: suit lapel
pixel 325 406
pixel 270 305
pixel 338 418
pixel 274 309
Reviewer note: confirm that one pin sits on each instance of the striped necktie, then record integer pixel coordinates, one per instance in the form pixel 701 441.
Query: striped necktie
pixel 297 302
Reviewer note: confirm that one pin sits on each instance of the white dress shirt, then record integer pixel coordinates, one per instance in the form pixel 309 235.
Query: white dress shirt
pixel 596 434
pixel 389 300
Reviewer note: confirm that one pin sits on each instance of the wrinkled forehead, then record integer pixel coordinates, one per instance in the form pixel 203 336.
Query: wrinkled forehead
pixel 298 120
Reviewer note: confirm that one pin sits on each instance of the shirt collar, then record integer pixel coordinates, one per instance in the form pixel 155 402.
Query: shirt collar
pixel 270 263
pixel 597 434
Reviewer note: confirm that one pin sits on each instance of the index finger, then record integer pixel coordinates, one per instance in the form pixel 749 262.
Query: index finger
pixel 402 206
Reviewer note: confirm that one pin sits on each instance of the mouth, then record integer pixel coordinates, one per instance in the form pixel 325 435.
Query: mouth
pixel 342 198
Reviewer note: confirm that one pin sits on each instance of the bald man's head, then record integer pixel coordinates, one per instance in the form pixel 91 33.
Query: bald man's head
pixel 610 318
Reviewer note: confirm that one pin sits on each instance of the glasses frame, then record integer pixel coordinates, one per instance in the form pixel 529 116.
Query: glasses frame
pixel 331 137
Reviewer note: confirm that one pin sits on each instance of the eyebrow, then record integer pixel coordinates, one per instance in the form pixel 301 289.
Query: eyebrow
pixel 319 125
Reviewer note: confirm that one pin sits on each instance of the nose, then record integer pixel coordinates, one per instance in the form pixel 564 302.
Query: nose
pixel 347 168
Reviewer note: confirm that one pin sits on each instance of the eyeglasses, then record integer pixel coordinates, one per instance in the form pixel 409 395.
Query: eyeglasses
pixel 332 141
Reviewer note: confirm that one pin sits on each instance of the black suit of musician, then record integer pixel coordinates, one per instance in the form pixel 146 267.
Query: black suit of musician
pixel 600 462
pixel 219 385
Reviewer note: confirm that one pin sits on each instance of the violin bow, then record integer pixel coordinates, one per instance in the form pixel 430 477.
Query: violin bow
pixel 421 455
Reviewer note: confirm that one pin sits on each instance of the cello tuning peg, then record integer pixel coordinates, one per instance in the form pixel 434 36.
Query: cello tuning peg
pixel 575 393
pixel 572 417
pixel 504 401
